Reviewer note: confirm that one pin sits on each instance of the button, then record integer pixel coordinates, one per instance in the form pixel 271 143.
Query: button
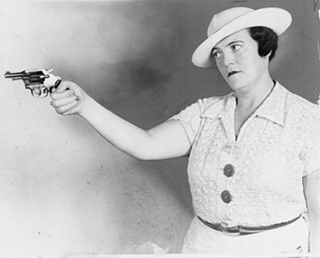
pixel 228 170
pixel 226 196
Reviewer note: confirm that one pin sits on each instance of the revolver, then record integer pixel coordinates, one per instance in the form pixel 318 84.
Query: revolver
pixel 40 82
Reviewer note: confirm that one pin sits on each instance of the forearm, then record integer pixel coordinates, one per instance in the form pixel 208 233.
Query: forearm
pixel 120 133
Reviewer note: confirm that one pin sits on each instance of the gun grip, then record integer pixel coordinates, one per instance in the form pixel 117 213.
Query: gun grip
pixel 56 85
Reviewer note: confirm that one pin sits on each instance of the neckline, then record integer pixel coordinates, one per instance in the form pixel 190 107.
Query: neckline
pixel 237 132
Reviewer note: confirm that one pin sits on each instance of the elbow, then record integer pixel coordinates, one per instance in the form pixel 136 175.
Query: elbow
pixel 139 157
pixel 141 154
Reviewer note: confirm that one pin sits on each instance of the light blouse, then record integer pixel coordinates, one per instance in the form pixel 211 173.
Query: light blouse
pixel 276 147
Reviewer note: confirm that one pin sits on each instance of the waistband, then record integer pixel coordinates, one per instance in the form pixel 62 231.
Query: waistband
pixel 244 230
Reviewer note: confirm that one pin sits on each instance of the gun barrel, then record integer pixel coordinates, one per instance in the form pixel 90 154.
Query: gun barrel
pixel 35 75
pixel 19 75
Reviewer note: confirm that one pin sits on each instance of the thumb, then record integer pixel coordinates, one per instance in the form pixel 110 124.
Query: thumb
pixel 63 86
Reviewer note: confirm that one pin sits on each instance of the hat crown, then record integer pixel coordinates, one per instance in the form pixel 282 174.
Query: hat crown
pixel 223 18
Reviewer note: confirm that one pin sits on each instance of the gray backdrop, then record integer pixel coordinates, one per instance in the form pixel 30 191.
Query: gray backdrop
pixel 64 190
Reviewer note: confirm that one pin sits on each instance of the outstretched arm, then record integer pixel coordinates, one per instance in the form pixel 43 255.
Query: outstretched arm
pixel 167 140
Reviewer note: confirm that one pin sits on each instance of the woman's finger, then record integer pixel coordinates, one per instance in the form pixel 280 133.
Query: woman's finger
pixel 62 95
pixel 63 86
pixel 64 110
pixel 59 102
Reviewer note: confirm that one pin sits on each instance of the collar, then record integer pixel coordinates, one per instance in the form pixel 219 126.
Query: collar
pixel 273 108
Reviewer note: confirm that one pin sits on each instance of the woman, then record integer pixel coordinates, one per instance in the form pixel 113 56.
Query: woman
pixel 253 154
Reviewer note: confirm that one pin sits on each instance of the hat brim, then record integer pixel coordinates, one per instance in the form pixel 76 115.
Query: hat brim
pixel 274 18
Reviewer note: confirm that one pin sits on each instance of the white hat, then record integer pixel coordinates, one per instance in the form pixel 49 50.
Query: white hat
pixel 235 19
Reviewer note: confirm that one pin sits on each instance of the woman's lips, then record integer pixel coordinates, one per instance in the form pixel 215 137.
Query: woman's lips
pixel 232 73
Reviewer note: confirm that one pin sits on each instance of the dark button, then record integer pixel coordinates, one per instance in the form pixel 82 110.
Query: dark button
pixel 228 170
pixel 226 196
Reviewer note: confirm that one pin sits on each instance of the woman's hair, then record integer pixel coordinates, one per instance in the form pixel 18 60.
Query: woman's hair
pixel 267 41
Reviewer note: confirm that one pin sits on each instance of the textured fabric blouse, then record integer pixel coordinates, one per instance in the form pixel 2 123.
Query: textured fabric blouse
pixel 276 147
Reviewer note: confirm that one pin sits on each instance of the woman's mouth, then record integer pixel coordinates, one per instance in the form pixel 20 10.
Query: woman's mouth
pixel 232 73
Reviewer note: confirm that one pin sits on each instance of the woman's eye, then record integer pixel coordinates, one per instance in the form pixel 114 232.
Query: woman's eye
pixel 216 54
pixel 235 47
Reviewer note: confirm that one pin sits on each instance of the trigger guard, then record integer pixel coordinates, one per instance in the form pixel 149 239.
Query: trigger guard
pixel 42 92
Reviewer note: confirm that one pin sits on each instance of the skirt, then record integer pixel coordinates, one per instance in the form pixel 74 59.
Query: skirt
pixel 289 239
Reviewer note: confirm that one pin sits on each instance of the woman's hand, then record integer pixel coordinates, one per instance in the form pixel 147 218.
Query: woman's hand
pixel 68 98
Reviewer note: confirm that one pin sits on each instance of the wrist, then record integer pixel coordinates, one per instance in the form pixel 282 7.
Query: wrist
pixel 84 102
pixel 87 107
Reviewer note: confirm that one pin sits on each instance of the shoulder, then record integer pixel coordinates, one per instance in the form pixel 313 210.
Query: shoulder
pixel 213 106
pixel 301 107
pixel 205 107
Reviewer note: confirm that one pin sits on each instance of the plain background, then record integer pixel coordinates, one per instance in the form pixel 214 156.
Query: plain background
pixel 63 189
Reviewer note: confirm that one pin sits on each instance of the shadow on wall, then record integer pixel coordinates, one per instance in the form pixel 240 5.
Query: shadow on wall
pixel 125 51
pixel 131 77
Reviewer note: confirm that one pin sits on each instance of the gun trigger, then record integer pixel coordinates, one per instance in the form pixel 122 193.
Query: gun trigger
pixel 56 85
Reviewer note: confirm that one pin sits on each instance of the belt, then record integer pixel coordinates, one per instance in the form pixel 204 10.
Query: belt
pixel 244 230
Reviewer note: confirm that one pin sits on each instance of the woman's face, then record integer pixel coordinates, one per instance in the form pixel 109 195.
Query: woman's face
pixel 238 60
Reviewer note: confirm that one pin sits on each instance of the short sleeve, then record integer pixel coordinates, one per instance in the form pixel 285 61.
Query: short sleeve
pixel 310 154
pixel 190 118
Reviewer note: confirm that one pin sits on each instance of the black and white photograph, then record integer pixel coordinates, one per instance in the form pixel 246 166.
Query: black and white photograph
pixel 159 128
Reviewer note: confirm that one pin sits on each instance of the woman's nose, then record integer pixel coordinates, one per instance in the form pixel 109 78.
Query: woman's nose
pixel 228 59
